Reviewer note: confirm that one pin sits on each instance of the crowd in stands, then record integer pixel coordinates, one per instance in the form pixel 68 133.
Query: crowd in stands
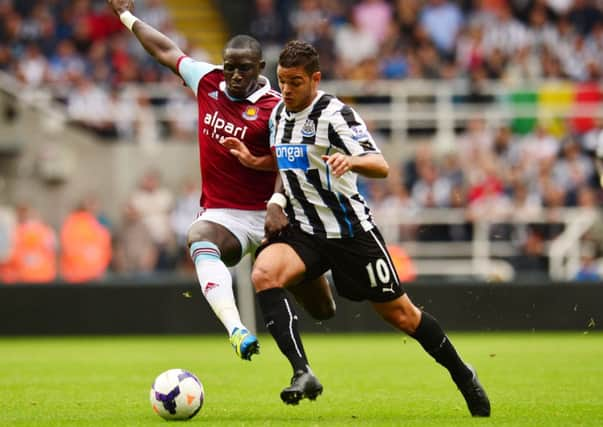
pixel 524 169
pixel 81 50
pixel 433 39
pixel 82 47
pixel 520 183
pixel 149 237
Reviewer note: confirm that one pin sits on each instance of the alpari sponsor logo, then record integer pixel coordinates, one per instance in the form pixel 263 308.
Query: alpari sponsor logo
pixel 292 156
pixel 218 128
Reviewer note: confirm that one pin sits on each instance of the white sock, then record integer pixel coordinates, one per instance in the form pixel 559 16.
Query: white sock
pixel 216 283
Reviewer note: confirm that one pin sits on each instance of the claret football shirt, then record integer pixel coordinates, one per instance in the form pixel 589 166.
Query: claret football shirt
pixel 225 182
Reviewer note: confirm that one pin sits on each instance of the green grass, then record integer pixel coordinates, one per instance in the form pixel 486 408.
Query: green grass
pixel 533 379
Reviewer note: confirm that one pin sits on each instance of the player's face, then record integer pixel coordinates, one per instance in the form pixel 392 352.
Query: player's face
pixel 241 71
pixel 297 87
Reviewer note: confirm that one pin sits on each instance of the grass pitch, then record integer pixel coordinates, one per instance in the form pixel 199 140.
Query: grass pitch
pixel 533 379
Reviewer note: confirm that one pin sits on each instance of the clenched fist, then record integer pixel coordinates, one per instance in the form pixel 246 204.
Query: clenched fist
pixel 120 6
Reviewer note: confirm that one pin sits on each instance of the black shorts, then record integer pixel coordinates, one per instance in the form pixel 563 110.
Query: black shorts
pixel 361 266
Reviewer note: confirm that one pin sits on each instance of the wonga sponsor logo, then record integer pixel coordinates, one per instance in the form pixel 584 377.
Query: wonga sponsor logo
pixel 292 156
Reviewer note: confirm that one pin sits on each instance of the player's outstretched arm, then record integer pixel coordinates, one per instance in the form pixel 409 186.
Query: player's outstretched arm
pixel 154 42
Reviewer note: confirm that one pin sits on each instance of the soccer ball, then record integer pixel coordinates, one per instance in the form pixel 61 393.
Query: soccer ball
pixel 177 394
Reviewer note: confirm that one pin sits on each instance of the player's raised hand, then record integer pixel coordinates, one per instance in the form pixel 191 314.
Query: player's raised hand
pixel 339 163
pixel 120 6
pixel 239 150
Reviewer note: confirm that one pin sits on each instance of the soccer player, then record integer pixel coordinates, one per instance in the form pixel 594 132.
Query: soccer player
pixel 237 167
pixel 321 222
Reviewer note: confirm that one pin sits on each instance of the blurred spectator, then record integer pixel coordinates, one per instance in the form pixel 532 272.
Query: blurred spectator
pixel 266 25
pixel 146 128
pixel 525 205
pixel 65 64
pixel 87 106
pixel 488 201
pixel 373 16
pixel 325 46
pixel 584 14
pixel 504 34
pixel 572 170
pixel 470 53
pixel 532 263
pixel 33 256
pixel 393 61
pixel 155 202
pixel 589 270
pixel 354 44
pixel 135 251
pixel 442 19
pixel 182 116
pixel 153 12
pixel 7 231
pixel 186 210
pixel 32 68
pixel 6 61
pixel 538 146
pixel 271 31
pixel 525 66
pixel 393 206
pixel 307 19
pixel 85 246
pixel 431 190
pixel 122 105
pixel 423 156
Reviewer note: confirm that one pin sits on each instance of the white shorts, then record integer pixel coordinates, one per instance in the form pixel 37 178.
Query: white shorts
pixel 247 226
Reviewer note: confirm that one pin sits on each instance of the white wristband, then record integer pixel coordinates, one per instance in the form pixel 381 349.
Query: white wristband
pixel 278 199
pixel 128 19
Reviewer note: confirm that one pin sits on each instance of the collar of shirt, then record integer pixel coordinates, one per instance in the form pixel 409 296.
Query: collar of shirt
pixel 255 96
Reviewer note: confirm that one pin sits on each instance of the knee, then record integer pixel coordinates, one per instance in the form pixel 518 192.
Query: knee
pixel 193 235
pixel 262 279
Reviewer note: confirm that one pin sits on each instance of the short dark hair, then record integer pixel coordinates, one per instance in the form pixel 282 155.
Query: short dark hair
pixel 298 53
pixel 243 41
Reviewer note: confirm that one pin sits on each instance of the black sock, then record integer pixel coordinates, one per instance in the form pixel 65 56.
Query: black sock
pixel 281 321
pixel 430 335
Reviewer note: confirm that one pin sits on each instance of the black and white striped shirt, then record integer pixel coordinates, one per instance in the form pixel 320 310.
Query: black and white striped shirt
pixel 320 203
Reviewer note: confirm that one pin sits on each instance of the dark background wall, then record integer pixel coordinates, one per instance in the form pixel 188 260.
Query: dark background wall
pixel 179 307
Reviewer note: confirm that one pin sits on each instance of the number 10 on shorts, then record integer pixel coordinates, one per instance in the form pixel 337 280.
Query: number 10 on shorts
pixel 383 273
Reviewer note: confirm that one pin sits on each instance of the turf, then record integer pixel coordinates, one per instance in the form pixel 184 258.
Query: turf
pixel 533 379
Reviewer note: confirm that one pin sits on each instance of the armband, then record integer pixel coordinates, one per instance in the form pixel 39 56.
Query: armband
pixel 128 19
pixel 278 199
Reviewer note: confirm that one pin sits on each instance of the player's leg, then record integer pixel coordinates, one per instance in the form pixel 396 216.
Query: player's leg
pixel 405 316
pixel 278 266
pixel 213 247
pixel 372 276
pixel 315 297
